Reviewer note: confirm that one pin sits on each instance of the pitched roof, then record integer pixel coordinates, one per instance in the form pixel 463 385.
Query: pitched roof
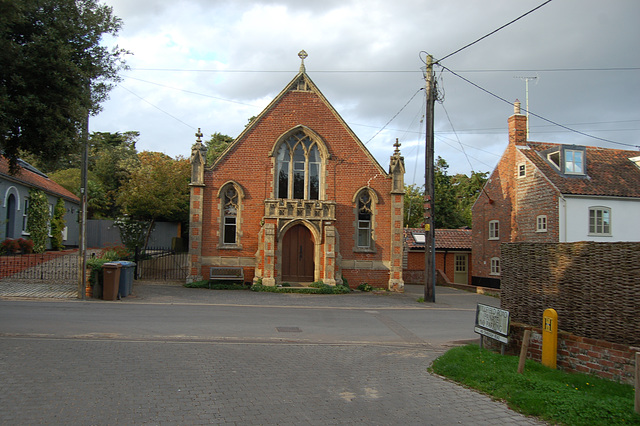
pixel 301 82
pixel 32 177
pixel 446 239
pixel 609 172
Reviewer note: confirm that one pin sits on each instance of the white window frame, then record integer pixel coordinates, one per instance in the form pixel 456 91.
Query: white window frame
pixel 25 216
pixel 494 229
pixel 597 226
pixel 495 266
pixel 541 223
pixel 573 170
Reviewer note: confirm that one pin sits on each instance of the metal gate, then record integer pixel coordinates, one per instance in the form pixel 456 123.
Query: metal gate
pixel 161 263
pixel 59 267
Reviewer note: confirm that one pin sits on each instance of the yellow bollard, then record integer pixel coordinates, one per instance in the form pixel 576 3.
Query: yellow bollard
pixel 550 338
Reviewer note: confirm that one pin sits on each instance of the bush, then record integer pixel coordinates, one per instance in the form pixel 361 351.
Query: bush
pixel 9 246
pixel 26 246
pixel 216 285
pixel 57 225
pixel 315 288
pixel 365 287
pixel 115 253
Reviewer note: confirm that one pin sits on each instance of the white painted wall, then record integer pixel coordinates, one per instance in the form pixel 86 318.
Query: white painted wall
pixel 574 218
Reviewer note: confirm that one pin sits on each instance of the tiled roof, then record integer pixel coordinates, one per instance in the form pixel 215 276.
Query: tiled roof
pixel 446 239
pixel 609 171
pixel 38 180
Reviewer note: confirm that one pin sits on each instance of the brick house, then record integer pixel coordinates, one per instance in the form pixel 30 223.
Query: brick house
pixel 549 193
pixel 14 201
pixel 453 255
pixel 298 198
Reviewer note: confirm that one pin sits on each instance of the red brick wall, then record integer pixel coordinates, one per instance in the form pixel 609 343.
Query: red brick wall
pixel 413 273
pixel 348 169
pixel 580 354
pixel 514 201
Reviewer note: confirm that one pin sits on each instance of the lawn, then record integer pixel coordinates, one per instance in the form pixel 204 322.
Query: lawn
pixel 552 395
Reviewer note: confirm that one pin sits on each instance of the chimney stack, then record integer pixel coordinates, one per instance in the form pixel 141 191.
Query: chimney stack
pixel 517 126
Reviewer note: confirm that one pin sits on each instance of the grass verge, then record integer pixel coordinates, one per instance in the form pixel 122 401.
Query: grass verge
pixel 552 395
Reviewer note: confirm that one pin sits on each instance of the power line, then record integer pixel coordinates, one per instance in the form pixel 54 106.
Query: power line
pixel 397 113
pixel 536 115
pixel 386 71
pixel 189 91
pixel 157 107
pixel 494 31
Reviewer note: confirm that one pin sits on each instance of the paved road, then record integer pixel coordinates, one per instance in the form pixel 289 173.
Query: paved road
pixel 171 355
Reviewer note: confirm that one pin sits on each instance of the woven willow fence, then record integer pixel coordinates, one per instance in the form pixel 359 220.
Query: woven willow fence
pixel 594 287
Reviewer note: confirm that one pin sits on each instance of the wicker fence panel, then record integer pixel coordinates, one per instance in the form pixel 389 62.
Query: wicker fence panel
pixel 594 287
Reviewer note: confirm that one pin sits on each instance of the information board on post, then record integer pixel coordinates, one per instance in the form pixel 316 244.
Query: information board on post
pixel 492 322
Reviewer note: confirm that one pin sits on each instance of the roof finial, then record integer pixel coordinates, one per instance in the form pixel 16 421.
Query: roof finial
pixel 397 145
pixel 199 135
pixel 302 55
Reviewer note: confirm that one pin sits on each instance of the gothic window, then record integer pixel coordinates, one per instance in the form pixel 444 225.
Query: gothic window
pixel 298 168
pixel 365 201
pixel 230 198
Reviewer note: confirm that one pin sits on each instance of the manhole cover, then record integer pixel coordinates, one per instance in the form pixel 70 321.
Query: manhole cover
pixel 289 329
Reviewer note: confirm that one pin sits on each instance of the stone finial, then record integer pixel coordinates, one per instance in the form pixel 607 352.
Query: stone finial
pixel 397 146
pixel 302 55
pixel 516 107
pixel 199 136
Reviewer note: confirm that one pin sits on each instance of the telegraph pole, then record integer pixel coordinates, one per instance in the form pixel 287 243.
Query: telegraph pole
pixel 82 261
pixel 429 190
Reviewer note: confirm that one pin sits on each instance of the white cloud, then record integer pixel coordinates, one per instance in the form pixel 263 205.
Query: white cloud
pixel 256 43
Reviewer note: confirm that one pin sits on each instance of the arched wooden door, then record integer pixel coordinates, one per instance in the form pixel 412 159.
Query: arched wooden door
pixel 297 255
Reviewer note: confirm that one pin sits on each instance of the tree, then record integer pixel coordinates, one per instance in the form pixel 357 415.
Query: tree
pixel 97 203
pixel 413 206
pixel 467 189
pixel 57 225
pixel 53 72
pixel 216 145
pixel 38 220
pixel 112 158
pixel 157 189
pixel 454 198
pixel 446 214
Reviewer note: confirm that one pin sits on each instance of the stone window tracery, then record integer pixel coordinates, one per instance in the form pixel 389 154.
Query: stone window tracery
pixel 298 168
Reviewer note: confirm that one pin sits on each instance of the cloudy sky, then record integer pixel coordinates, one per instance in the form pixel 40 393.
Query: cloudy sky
pixel 212 64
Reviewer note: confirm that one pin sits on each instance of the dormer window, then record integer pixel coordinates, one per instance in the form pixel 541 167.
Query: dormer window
pixel 554 157
pixel 573 162
pixel 568 160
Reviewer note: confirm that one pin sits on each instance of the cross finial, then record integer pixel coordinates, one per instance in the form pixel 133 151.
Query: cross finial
pixel 397 145
pixel 302 55
pixel 199 135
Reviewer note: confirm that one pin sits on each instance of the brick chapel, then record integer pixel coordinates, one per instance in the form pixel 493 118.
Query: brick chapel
pixel 298 198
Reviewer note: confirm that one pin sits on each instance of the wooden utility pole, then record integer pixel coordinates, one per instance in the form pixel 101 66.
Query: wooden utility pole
pixel 429 190
pixel 82 261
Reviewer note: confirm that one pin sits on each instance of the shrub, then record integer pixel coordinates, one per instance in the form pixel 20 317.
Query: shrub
pixel 38 219
pixel 26 246
pixel 115 253
pixel 365 287
pixel 57 225
pixel 9 246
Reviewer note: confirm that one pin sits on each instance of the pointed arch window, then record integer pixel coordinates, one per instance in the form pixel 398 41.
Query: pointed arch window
pixel 230 209
pixel 365 201
pixel 298 168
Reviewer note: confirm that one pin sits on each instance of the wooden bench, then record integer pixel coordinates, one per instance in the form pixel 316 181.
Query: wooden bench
pixel 226 273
